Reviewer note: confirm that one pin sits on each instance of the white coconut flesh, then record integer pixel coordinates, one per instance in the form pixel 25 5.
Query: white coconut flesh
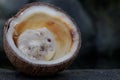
pixel 43 35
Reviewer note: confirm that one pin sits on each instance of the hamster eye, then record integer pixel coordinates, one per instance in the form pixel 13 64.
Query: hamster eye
pixel 49 40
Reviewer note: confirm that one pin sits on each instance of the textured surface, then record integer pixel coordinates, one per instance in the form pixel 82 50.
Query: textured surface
pixel 66 75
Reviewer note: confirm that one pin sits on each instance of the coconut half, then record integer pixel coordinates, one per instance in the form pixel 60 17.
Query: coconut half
pixel 41 39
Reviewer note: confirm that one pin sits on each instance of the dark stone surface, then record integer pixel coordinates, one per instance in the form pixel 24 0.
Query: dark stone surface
pixel 85 74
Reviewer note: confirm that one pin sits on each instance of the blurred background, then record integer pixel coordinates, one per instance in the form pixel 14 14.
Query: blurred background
pixel 99 23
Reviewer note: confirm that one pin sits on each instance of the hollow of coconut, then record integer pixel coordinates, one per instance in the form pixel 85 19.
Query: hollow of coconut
pixel 41 39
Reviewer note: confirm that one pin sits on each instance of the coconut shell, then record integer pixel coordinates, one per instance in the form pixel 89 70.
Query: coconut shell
pixel 36 69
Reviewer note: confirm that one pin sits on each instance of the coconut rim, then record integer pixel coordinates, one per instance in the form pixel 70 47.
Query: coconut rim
pixel 77 35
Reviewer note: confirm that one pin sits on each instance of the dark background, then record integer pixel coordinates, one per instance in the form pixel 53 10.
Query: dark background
pixel 99 23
